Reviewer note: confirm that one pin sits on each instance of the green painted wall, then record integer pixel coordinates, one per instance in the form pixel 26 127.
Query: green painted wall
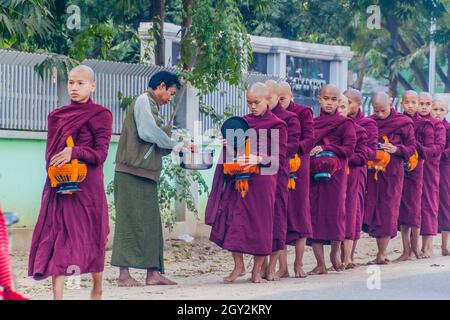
pixel 23 174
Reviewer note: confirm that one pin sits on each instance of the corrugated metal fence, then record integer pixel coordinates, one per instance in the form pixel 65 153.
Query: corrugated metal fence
pixel 26 98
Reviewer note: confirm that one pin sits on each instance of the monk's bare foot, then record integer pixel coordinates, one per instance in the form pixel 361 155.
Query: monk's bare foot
pixel 347 265
pixel 256 278
pixel 337 265
pixel 283 274
pixel 318 270
pixel 236 273
pixel 427 254
pixel 96 295
pixel 379 261
pixel 158 279
pixel 445 252
pixel 300 273
pixel 354 265
pixel 403 257
pixel 273 277
pixel 128 282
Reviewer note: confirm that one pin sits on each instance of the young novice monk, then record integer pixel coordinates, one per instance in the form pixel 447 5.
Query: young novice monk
pixel 355 100
pixel 440 111
pixel 71 231
pixel 337 134
pixel 282 197
pixel 299 226
pixel 430 193
pixel 245 224
pixel 410 208
pixel 355 173
pixel 384 190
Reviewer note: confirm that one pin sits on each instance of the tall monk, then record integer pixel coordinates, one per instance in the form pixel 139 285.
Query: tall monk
pixel 384 190
pixel 410 207
pixel 71 232
pixel 245 224
pixel 334 133
pixel 299 226
pixel 355 100
pixel 440 111
pixel 356 173
pixel 282 197
pixel 430 194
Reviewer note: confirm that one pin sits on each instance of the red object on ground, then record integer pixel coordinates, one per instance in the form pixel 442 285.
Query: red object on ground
pixel 5 265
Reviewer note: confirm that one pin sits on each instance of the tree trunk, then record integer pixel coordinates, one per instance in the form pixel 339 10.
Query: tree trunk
pixel 361 72
pixel 393 87
pixel 185 24
pixel 447 83
pixel 392 27
pixel 158 30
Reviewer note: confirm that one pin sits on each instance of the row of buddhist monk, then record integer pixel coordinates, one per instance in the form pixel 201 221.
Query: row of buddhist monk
pixel 378 201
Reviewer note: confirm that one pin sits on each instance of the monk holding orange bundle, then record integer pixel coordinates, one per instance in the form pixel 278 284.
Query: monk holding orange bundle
pixel 71 232
pixel 384 189
pixel 245 224
pixel 335 134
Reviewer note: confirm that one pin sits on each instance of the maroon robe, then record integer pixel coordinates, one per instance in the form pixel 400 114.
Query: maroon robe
pixel 357 166
pixel 384 196
pixel 246 224
pixel 72 230
pixel 410 206
pixel 372 135
pixel 430 194
pixel 282 197
pixel 299 222
pixel 444 184
pixel 334 133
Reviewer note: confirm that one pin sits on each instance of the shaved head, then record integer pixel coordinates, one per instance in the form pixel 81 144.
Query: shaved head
pixel 425 103
pixel 86 70
pixel 274 93
pixel 355 100
pixel 425 95
pixel 329 88
pixel 381 103
pixel 381 98
pixel 285 88
pixel 354 94
pixel 259 89
pixel 410 93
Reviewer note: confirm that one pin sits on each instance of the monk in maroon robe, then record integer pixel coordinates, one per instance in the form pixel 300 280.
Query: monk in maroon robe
pixel 430 194
pixel 384 192
pixel 71 232
pixel 299 226
pixel 245 224
pixel 282 197
pixel 410 216
pixel 334 133
pixel 356 167
pixel 355 100
pixel 440 111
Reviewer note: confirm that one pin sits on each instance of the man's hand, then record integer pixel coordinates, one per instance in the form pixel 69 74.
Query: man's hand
pixel 389 147
pixel 61 158
pixel 316 150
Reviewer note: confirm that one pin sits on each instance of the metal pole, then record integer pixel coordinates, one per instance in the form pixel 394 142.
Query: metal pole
pixel 432 66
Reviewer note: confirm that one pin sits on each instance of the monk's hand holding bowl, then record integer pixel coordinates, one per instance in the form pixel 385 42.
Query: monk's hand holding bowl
pixel 316 150
pixel 61 158
pixel 389 147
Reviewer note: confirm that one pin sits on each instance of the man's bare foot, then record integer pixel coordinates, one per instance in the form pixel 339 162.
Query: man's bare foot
pixel 273 277
pixel 283 274
pixel 445 252
pixel 300 273
pixel 96 295
pixel 318 270
pixel 128 282
pixel 337 265
pixel 159 279
pixel 406 256
pixel 236 273
pixel 256 278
